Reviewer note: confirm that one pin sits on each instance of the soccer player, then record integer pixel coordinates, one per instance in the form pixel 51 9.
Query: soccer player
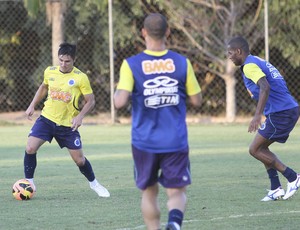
pixel 159 81
pixel 61 117
pixel 266 85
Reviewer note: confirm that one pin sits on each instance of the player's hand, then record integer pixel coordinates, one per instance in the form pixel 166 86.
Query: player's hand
pixel 254 124
pixel 76 123
pixel 29 112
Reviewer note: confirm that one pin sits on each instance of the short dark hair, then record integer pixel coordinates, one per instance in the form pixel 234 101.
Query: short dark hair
pixel 156 25
pixel 239 43
pixel 67 49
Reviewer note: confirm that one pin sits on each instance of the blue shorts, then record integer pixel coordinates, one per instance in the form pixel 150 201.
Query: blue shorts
pixel 278 126
pixel 171 170
pixel 47 130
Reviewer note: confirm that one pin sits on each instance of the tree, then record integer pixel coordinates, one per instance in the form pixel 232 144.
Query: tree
pixel 206 27
pixel 285 28
pixel 18 58
pixel 55 10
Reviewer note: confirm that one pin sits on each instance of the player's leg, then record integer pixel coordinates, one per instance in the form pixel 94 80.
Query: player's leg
pixel 30 161
pixel 176 205
pixel 259 149
pixel 70 139
pixel 86 169
pixel 39 134
pixel 150 207
pixel 175 177
pixel 146 167
pixel 277 127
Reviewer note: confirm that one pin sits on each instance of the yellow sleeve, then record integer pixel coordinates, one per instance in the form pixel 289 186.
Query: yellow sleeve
pixel 46 76
pixel 253 72
pixel 192 85
pixel 85 86
pixel 126 80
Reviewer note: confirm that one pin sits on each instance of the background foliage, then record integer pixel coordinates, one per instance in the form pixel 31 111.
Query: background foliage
pixel 200 30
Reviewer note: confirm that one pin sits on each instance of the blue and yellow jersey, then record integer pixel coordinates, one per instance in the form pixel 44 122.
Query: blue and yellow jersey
pixel 280 98
pixel 159 83
pixel 64 91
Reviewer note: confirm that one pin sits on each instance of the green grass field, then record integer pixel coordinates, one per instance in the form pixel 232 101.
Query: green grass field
pixel 226 191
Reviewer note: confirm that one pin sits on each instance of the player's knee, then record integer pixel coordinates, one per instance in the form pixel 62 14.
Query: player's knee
pixel 253 151
pixel 30 150
pixel 79 161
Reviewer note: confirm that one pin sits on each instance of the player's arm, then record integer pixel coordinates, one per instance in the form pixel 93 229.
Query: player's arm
pixel 88 106
pixel 193 87
pixel 264 90
pixel 124 87
pixel 39 95
pixel 253 72
pixel 121 98
pixel 196 100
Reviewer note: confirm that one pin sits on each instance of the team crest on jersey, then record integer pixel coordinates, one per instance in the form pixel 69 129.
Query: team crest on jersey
pixel 71 82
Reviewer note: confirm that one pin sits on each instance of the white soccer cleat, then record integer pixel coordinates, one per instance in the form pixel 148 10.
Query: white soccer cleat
pixel 100 190
pixel 32 184
pixel 292 188
pixel 274 194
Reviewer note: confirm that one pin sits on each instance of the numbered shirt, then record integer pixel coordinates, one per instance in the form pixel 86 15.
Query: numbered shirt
pixel 280 98
pixel 64 91
pixel 159 83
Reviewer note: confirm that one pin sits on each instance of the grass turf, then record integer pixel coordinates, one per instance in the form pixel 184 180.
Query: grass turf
pixel 225 194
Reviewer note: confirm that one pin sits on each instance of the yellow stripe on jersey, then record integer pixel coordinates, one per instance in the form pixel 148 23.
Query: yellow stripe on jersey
pixel 192 85
pixel 253 72
pixel 126 81
pixel 64 91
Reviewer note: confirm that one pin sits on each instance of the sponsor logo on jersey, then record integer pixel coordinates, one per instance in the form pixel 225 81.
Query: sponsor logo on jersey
pixel 161 91
pixel 158 66
pixel 60 95
pixel 274 72
pixel 158 101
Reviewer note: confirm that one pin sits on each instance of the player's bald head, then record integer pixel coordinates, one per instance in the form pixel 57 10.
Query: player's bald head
pixel 156 25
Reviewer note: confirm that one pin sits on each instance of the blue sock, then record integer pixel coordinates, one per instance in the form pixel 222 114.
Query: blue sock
pixel 87 171
pixel 274 179
pixel 176 216
pixel 29 165
pixel 290 174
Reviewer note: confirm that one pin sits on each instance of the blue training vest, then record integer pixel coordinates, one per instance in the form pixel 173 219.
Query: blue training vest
pixel 280 97
pixel 159 102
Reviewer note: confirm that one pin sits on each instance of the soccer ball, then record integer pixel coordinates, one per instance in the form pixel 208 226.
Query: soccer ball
pixel 22 190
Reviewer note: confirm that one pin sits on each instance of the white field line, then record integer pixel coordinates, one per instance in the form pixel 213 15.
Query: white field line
pixel 224 217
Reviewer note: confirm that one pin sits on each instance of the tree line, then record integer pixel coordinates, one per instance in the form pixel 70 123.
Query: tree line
pixel 31 31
